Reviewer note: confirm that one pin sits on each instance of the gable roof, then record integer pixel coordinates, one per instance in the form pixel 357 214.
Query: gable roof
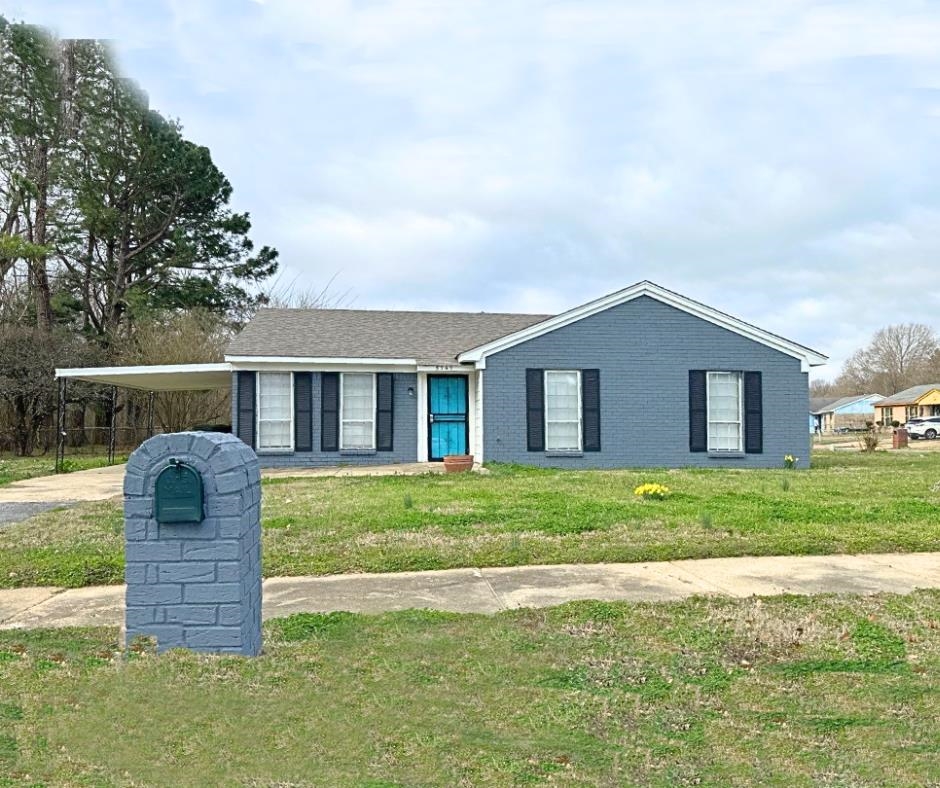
pixel 831 405
pixel 445 338
pixel 909 396
pixel 819 405
pixel 807 356
pixel 425 338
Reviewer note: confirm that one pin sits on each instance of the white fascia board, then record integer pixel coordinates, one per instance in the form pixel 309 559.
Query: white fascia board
pixel 157 369
pixel 808 357
pixel 288 363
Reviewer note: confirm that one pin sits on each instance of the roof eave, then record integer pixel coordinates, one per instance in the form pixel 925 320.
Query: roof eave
pixel 160 377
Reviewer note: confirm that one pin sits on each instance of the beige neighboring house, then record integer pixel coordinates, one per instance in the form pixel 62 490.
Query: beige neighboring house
pixel 912 403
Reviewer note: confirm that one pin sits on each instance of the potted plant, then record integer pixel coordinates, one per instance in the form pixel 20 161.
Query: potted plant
pixel 455 463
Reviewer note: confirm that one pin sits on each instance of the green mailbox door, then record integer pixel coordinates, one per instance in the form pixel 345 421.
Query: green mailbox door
pixel 178 495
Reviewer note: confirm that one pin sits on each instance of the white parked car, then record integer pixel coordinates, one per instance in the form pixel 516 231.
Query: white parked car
pixel 927 428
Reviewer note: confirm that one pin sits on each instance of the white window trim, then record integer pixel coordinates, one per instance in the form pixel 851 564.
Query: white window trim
pixel 577 373
pixel 290 416
pixel 342 399
pixel 708 418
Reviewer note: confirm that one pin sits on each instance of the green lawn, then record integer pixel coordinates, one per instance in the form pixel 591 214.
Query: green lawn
pixel 848 502
pixel 14 469
pixel 781 691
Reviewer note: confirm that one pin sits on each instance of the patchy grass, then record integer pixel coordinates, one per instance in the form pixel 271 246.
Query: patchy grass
pixel 710 692
pixel 883 502
pixel 14 469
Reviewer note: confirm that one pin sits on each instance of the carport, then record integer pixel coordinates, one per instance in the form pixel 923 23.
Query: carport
pixel 165 377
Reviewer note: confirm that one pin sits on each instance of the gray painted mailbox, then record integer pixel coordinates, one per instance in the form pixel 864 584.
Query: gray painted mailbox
pixel 192 524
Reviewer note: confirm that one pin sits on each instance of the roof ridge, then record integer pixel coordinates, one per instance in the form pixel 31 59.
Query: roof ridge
pixel 332 310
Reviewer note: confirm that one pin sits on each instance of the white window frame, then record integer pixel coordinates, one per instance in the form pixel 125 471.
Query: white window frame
pixel 342 420
pixel 259 420
pixel 577 373
pixel 708 419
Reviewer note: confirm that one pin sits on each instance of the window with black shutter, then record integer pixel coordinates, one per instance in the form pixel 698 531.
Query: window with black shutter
pixel 329 411
pixel 535 409
pixel 384 411
pixel 303 411
pixel 591 408
pixel 698 410
pixel 753 413
pixel 245 393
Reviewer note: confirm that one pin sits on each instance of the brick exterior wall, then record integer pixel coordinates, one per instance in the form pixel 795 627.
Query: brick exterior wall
pixel 644 350
pixel 405 419
pixel 195 586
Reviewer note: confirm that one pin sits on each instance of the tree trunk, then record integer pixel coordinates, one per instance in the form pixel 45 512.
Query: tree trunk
pixel 43 294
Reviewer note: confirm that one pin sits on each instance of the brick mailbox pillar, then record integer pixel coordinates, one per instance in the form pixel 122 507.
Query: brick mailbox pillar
pixel 192 524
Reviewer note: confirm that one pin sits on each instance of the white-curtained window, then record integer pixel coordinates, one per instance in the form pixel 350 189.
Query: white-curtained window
pixel 562 410
pixel 275 411
pixel 357 410
pixel 725 419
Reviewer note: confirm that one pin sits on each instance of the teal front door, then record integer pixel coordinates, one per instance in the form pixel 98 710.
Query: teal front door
pixel 447 416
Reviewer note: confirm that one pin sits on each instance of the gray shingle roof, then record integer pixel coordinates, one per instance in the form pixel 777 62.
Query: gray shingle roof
pixel 427 337
pixel 909 396
pixel 818 404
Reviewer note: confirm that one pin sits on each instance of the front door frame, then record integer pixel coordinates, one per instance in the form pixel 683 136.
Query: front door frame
pixel 428 414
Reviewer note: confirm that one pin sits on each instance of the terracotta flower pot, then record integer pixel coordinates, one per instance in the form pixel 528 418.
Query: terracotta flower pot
pixel 456 463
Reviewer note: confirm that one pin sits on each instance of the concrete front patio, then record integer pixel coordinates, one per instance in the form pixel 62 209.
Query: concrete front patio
pixel 503 588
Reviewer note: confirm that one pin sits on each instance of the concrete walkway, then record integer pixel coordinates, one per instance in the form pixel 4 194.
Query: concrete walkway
pixel 492 590
pixel 100 484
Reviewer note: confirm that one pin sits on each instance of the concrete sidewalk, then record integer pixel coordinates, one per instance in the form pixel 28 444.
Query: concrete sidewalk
pixel 492 590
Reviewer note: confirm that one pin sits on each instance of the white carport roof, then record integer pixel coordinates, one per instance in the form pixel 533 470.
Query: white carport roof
pixel 165 377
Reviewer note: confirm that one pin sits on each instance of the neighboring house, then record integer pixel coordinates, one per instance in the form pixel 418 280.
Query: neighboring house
pixel 816 404
pixel 910 404
pixel 640 377
pixel 853 412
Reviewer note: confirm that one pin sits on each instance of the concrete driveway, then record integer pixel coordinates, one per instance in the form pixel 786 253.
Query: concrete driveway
pixel 21 500
pixel 100 484
pixel 97 484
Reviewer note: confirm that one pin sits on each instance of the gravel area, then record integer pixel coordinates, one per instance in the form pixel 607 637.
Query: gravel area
pixel 17 512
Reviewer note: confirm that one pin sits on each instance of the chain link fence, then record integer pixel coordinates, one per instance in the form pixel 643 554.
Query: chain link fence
pixel 81 441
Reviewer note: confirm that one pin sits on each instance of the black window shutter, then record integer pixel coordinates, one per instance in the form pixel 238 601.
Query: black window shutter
pixel 245 383
pixel 303 411
pixel 591 408
pixel 329 411
pixel 753 413
pixel 698 410
pixel 535 409
pixel 384 406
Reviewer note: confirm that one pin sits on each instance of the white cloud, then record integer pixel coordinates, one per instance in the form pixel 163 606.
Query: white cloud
pixel 775 159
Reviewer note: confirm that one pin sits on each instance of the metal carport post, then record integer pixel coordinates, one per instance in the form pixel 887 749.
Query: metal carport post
pixel 165 377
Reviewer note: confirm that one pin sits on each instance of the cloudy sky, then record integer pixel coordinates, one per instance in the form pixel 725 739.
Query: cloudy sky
pixel 777 160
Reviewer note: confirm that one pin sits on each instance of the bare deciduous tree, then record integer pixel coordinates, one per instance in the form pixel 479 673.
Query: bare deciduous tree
pixel 183 338
pixel 897 357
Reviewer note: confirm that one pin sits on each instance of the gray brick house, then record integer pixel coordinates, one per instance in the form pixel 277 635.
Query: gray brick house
pixel 640 377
